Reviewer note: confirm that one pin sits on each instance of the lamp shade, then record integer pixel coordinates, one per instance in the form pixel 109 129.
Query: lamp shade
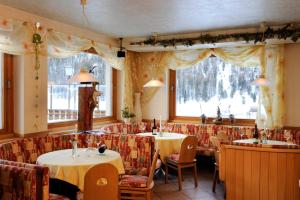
pixel 154 83
pixel 82 77
pixel 261 81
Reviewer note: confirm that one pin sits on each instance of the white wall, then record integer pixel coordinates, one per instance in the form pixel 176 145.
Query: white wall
pixel 292 84
pixel 159 104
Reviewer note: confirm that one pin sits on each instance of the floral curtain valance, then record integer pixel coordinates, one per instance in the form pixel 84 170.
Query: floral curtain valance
pixel 16 38
pixel 63 45
pixel 141 67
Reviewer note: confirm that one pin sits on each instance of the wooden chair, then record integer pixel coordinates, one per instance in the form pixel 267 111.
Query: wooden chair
pixel 101 182
pixel 216 144
pixel 136 186
pixel 185 159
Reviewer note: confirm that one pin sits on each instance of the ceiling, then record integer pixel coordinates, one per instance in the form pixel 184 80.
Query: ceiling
pixel 135 18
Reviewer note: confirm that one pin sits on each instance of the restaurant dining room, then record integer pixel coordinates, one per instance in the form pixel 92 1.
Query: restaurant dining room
pixel 149 100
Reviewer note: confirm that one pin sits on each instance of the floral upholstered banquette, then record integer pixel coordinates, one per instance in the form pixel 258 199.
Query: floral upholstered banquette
pixel 136 153
pixel 203 132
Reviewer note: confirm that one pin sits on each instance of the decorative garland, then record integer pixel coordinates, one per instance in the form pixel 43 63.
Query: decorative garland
pixel 37 41
pixel 288 31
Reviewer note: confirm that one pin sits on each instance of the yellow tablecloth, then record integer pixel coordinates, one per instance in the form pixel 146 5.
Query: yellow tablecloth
pixel 167 144
pixel 63 166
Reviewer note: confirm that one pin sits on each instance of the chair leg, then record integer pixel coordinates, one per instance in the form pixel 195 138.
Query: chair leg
pixel 166 173
pixel 149 195
pixel 224 190
pixel 215 180
pixel 195 175
pixel 179 178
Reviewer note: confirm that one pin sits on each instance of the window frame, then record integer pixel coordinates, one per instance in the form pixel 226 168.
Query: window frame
pixel 8 100
pixel 52 125
pixel 209 120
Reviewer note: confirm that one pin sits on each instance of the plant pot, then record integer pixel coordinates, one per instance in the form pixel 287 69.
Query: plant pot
pixel 127 120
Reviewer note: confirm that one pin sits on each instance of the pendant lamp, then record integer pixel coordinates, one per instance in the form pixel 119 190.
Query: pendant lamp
pixel 261 81
pixel 154 83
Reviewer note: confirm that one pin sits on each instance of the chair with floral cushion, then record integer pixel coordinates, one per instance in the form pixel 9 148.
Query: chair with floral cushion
pixel 185 159
pixel 138 186
pixel 17 183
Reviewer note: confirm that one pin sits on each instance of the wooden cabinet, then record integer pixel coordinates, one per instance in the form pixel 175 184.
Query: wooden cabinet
pixel 256 173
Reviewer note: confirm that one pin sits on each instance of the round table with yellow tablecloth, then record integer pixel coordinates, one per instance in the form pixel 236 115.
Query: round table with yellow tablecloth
pixel 63 166
pixel 167 143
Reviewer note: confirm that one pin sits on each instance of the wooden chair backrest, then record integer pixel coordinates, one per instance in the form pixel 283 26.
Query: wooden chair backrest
pixel 222 136
pixel 101 182
pixel 188 149
pixel 216 144
pixel 153 166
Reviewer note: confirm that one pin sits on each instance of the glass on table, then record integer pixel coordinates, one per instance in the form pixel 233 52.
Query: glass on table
pixel 170 128
pixel 242 133
pixel 162 127
pixel 89 148
pixel 142 127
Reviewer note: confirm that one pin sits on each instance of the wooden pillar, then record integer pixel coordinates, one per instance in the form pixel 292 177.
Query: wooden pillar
pixel 85 111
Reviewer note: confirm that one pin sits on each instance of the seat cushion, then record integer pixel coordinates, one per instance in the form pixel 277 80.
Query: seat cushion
pixel 57 197
pixel 205 151
pixel 133 181
pixel 174 157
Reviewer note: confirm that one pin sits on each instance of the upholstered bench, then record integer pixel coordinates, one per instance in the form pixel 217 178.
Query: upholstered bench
pixel 202 131
pixel 136 153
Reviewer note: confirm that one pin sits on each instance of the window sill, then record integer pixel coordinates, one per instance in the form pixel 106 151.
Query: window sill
pixel 238 122
pixel 62 124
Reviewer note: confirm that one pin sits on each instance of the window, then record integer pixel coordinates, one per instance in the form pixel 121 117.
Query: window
pixel 213 82
pixel 6 100
pixel 63 96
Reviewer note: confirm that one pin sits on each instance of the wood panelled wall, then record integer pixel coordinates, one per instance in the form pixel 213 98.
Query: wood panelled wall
pixel 260 173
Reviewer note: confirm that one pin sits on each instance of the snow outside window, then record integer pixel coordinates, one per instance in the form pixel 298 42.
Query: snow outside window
pixel 63 97
pixel 213 82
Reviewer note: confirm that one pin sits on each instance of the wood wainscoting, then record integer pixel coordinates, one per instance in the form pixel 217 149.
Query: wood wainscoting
pixel 260 173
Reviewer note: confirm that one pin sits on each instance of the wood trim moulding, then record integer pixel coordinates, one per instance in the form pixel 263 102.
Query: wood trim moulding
pixel 5 136
pixel 114 92
pixel 8 100
pixel 34 134
pixel 73 122
pixel 172 94
pixel 297 128
pixel 263 149
pixel 197 120
pixel 61 124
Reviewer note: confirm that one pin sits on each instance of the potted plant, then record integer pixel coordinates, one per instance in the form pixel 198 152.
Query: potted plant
pixel 127 115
